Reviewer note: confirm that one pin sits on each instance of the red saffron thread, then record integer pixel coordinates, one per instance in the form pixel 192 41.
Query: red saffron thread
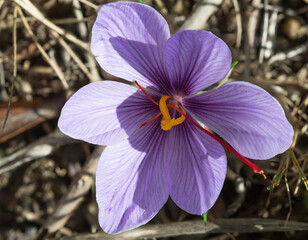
pixel 141 88
pixel 242 158
pixel 152 120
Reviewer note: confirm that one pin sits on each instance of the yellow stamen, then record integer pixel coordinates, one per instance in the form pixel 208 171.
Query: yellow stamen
pixel 167 122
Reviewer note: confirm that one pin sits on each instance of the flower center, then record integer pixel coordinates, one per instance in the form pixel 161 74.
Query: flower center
pixel 167 122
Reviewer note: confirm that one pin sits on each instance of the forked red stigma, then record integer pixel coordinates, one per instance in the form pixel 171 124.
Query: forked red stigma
pixel 227 146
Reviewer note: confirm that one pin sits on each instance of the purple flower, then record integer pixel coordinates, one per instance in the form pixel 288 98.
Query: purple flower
pixel 168 155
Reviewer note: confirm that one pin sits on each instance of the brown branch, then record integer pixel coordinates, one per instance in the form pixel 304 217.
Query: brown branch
pixel 41 148
pixel 192 228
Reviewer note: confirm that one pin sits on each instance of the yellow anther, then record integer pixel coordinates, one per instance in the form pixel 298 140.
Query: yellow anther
pixel 180 119
pixel 164 109
pixel 167 122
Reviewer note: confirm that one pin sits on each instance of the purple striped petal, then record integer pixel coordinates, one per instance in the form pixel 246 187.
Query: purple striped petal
pixel 197 168
pixel 105 112
pixel 246 116
pixel 195 60
pixel 131 182
pixel 127 39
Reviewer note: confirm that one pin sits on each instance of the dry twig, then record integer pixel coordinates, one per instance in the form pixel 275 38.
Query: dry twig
pixel 88 3
pixel 289 196
pixel 83 31
pixel 204 11
pixel 161 6
pixel 73 55
pixel 238 23
pixel 15 67
pixel 271 34
pixel 1 3
pixel 252 24
pixel 54 66
pixel 36 150
pixel 289 54
pixel 32 10
pixel 3 92
pixel 264 32
pixel 194 228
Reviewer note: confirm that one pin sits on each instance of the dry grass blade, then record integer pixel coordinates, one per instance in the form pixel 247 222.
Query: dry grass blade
pixel 252 24
pixel 1 3
pixel 32 10
pixel 83 32
pixel 264 32
pixel 74 56
pixel 54 66
pixel 289 197
pixel 238 23
pixel 15 67
pixel 161 6
pixel 88 3
pixel 299 121
pixel 3 92
pixel 272 32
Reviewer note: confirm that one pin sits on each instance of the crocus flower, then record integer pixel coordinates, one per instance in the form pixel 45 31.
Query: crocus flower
pixel 154 149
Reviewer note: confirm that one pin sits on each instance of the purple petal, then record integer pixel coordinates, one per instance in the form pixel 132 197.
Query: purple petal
pixel 246 116
pixel 197 168
pixel 127 39
pixel 105 112
pixel 131 180
pixel 195 60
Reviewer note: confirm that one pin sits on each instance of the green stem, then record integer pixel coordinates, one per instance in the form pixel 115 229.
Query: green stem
pixel 299 169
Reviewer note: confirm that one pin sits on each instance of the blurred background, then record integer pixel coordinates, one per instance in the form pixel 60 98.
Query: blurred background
pixel 47 179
